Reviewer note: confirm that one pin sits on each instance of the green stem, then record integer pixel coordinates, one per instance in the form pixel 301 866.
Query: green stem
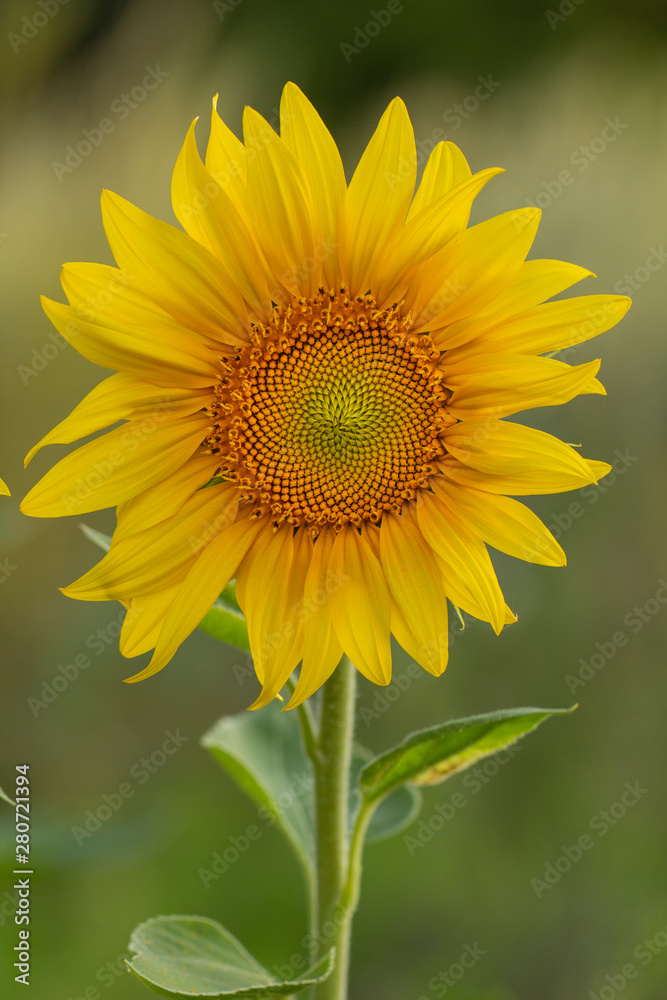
pixel 335 900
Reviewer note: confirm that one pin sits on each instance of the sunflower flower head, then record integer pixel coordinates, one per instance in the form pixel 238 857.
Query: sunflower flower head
pixel 313 378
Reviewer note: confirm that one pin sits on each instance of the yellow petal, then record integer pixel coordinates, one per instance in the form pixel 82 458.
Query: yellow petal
pixel 376 203
pixel 534 282
pixel 499 384
pixel 143 621
pixel 281 208
pixel 167 496
pixel 552 326
pixel 505 524
pixel 470 271
pixel 416 586
pixel 424 236
pixel 445 169
pixel 321 648
pixel 498 447
pixel 116 466
pixel 182 277
pixel 4 489
pixel 153 346
pixel 122 397
pixel 275 613
pixel 209 216
pixel 207 578
pixel 307 137
pixel 142 562
pixel 465 563
pixel 226 162
pixel 359 606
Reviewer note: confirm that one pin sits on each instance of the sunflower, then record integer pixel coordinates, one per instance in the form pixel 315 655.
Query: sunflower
pixel 313 378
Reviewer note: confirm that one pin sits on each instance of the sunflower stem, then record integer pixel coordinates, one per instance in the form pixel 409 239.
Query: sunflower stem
pixel 336 896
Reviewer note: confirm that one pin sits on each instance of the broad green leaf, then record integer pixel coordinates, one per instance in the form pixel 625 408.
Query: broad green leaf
pixel 227 624
pixel 3 795
pixel 264 754
pixel 197 957
pixel 431 755
pixel 225 621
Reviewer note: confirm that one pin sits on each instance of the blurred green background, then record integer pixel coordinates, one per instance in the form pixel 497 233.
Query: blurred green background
pixel 551 78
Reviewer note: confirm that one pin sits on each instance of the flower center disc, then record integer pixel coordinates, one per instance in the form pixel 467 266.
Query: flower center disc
pixel 332 415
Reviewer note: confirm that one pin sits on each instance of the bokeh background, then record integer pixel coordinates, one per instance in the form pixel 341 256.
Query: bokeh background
pixel 551 78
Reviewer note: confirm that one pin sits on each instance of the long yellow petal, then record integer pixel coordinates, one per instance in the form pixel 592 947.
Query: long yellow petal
pixel 321 647
pixel 359 606
pixel 470 271
pixel 376 203
pixel 426 234
pixel 153 352
pixel 499 384
pixel 208 215
pixel 122 397
pixel 467 567
pixel 180 275
pixel 275 613
pixel 498 447
pixel 226 161
pixel 143 621
pixel 552 326
pixel 142 562
pixel 166 497
pixel 534 283
pixel 207 578
pixel 116 466
pixel 505 524
pixel 307 137
pixel 445 169
pixel 416 586
pixel 281 208
pixel 4 489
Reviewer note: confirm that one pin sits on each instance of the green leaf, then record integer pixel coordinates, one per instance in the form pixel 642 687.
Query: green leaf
pixel 3 795
pixel 225 621
pixel 197 957
pixel 263 752
pixel 431 755
pixel 227 624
